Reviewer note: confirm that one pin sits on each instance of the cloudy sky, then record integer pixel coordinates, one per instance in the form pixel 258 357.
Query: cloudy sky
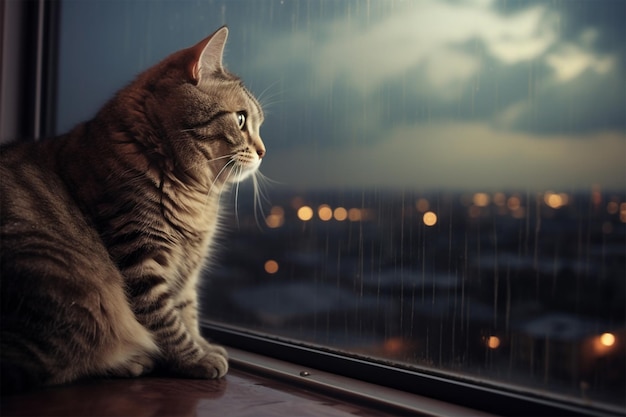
pixel 480 94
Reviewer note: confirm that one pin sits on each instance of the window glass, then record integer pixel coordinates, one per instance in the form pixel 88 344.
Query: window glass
pixel 448 181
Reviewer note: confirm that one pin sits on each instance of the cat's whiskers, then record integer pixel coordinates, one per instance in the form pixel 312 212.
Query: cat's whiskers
pixel 231 161
pixel 208 161
pixel 259 196
pixel 268 100
pixel 236 172
pixel 261 95
pixel 263 179
pixel 219 174
pixel 230 155
pixel 239 171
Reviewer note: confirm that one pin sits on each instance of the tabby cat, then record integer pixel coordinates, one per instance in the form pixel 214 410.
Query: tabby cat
pixel 104 230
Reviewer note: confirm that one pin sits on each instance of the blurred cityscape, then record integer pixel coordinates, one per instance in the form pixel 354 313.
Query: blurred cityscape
pixel 525 288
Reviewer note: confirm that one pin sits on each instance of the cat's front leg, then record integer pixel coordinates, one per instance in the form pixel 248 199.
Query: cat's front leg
pixel 205 361
pixel 187 305
pixel 184 352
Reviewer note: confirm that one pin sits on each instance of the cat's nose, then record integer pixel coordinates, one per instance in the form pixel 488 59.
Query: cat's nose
pixel 260 151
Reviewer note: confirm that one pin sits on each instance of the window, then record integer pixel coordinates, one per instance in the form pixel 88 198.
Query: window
pixel 450 184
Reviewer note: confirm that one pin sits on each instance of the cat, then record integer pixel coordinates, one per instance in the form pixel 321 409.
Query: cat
pixel 105 230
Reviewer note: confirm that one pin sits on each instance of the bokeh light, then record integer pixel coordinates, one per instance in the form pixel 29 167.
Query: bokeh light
pixel 493 342
pixel 555 200
pixel 276 218
pixel 607 339
pixel 271 266
pixel 305 213
pixel 481 199
pixel 324 212
pixel 429 218
pixel 340 214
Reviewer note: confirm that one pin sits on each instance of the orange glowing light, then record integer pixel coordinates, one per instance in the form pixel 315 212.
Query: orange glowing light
pixel 305 213
pixel 555 200
pixel 493 342
pixel 429 218
pixel 340 214
pixel 354 214
pixel 324 212
pixel 276 218
pixel 481 199
pixel 607 339
pixel 271 266
pixel 274 221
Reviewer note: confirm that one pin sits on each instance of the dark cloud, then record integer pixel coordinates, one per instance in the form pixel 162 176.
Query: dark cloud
pixel 343 77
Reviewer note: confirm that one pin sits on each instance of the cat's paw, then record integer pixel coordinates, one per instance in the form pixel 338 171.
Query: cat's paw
pixel 134 367
pixel 211 348
pixel 211 365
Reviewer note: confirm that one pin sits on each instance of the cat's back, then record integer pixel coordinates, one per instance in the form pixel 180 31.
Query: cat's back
pixel 22 162
pixel 31 190
pixel 39 219
pixel 23 177
pixel 16 159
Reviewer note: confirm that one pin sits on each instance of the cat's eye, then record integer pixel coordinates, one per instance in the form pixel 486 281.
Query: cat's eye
pixel 241 119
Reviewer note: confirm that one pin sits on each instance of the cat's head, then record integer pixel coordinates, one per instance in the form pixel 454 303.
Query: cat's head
pixel 205 123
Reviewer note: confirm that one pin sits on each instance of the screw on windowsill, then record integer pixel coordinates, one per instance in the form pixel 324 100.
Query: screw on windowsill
pixel 305 373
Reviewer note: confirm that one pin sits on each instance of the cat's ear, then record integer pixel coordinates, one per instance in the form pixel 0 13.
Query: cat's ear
pixel 208 55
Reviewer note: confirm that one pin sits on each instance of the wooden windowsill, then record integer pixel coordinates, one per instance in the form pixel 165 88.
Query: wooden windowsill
pixel 255 386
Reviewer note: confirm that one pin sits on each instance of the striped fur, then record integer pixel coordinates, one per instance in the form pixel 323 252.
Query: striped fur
pixel 104 230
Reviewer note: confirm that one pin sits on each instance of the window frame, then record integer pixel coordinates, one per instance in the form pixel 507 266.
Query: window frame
pixel 36 118
pixel 468 392
pixel 28 69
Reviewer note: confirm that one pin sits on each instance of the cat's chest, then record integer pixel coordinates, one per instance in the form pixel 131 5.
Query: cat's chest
pixel 167 234
pixel 192 221
pixel 181 259
pixel 193 209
